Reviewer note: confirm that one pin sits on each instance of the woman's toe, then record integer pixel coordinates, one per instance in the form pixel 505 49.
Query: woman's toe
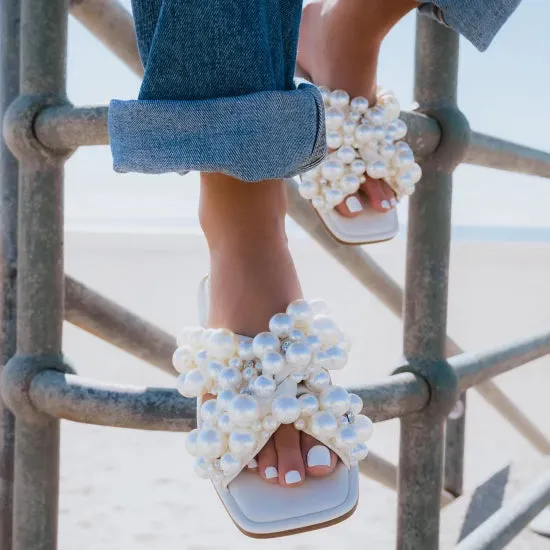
pixel 289 456
pixel 378 193
pixel 319 460
pixel 352 206
pixel 267 462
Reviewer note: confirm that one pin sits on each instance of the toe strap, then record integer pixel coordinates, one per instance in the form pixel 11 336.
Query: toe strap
pixel 278 377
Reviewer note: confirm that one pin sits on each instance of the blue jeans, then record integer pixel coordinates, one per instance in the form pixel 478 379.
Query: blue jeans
pixel 218 94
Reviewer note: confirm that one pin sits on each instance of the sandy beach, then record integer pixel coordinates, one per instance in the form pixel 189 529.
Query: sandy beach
pixel 124 489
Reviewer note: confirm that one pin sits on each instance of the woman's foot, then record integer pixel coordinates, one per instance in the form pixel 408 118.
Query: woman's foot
pixel 338 47
pixel 252 277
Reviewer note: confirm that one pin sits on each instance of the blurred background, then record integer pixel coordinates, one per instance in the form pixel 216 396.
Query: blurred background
pixel 136 239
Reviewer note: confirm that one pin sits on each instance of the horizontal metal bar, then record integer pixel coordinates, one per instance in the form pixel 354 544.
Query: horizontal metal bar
pixel 504 525
pixel 111 23
pixel 109 321
pixel 75 398
pixel 472 368
pixel 497 153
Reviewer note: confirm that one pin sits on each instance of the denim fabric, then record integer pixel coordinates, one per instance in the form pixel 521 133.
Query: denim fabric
pixel 477 20
pixel 218 92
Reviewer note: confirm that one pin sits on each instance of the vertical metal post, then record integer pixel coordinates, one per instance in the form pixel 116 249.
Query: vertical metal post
pixel 40 277
pixel 425 318
pixel 9 173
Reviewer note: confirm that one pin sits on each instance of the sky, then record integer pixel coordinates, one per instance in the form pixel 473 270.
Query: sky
pixel 503 92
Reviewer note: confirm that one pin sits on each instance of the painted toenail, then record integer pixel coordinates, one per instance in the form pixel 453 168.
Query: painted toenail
pixel 318 456
pixel 253 464
pixel 271 472
pixel 354 205
pixel 292 477
pixel 393 202
pixel 385 205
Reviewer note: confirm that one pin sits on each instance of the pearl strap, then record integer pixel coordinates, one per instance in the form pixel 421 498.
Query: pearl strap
pixel 363 140
pixel 278 377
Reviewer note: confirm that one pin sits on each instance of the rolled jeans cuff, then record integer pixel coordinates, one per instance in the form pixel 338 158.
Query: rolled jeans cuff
pixel 253 137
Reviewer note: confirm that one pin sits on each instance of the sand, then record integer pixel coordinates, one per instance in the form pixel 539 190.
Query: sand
pixel 125 489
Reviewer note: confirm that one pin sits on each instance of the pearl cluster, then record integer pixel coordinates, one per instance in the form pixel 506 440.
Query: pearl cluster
pixel 363 140
pixel 278 377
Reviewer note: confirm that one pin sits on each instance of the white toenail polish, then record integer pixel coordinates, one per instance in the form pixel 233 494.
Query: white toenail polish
pixel 385 204
pixel 318 456
pixel 354 204
pixel 292 477
pixel 393 202
pixel 271 472
pixel 253 464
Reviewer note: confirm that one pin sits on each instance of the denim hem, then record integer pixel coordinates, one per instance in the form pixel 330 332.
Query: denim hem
pixel 254 137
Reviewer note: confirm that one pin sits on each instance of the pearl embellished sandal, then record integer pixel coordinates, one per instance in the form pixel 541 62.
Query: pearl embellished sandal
pixel 364 141
pixel 278 377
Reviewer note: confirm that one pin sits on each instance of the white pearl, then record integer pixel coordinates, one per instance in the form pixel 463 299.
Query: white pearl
pixel 346 154
pixel 230 464
pixel 403 159
pixel 415 173
pixel 264 386
pixel 214 368
pixel 359 452
pixel 297 335
pixel 222 344
pixel 210 443
pixel 364 426
pixel 243 410
pixel 314 343
pixel 280 325
pixel 183 358
pixel 249 373
pixel 229 378
pixel 349 184
pixel 337 358
pixel 318 306
pixel 285 409
pixel 400 129
pixel 298 377
pixel 326 329
pixel 364 133
pixel 346 436
pixel 203 468
pixel 332 170
pixel 333 196
pixel 334 139
pixel 355 403
pixel 257 426
pixel 308 189
pixel 404 182
pixel 334 118
pixel 321 360
pixel 358 167
pixel 273 363
pixel 191 442
pixel 264 342
pixel 224 423
pixel 245 349
pixel 323 424
pixel 377 170
pixel 402 146
pixel 202 360
pixel 318 380
pixel 191 336
pixel 225 397
pixel 339 98
pixel 191 384
pixel 325 94
pixel 209 411
pixel 335 399
pixel 349 140
pixel 298 355
pixel 369 155
pixel 309 404
pixel 379 133
pixel 387 150
pixel 319 204
pixel 270 424
pixel 242 442
pixel 376 115
pixel 349 127
pixel 300 424
pixel 300 312
pixel 360 104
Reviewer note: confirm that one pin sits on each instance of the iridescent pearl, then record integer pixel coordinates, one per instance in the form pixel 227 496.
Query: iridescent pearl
pixel 323 424
pixel 325 94
pixel 224 423
pixel 349 140
pixel 415 173
pixel 335 399
pixel 235 362
pixel 298 355
pixel 346 436
pixel 273 363
pixel 402 146
pixel 364 426
pixel 319 204
pixel 230 464
pixel 242 442
pixel 337 358
pixel 264 342
pixel 225 397
pixel 210 443
pixel 297 335
pixel 249 373
pixel 359 104
pixel 309 404
pixel 355 403
pixel 183 358
pixel 314 343
pixel 333 196
pixel 191 336
pixel 334 139
pixel 201 360
pixel 339 98
pixel 404 182
pixel 369 155
pixel 300 424
pixel 349 127
pixel 346 154
pixel 308 189
pixel 245 349
pixel 364 133
pixel 285 409
pixel 243 410
pixel 326 329
pixel 401 129
pixel 229 378
pixel 191 442
pixel 358 167
pixel 257 426
pixel 222 344
pixel 377 170
pixel 280 325
pixel 387 151
pixel 349 184
pixel 209 411
pixel 263 386
pixel 376 115
pixel 318 306
pixel 332 170
pixel 334 118
pixel 318 380
pixel 214 368
pixel 359 452
pixel 270 424
pixel 203 468
pixel 403 159
pixel 379 132
pixel 300 312
pixel 191 384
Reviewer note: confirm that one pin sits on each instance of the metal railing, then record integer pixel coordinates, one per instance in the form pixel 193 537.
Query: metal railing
pixel 41 129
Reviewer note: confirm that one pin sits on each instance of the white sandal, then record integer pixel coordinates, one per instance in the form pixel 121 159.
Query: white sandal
pixel 279 377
